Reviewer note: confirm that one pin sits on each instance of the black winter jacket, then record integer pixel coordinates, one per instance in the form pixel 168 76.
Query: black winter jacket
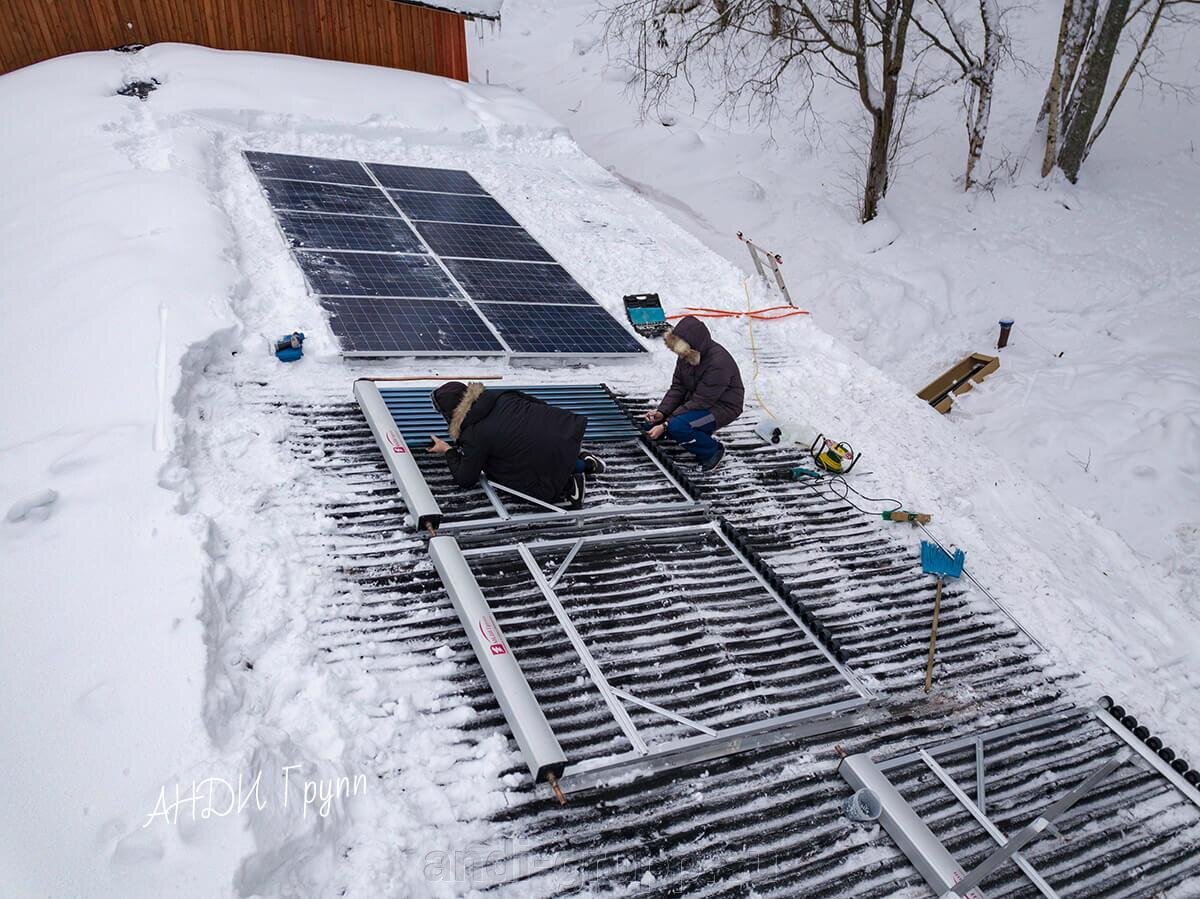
pixel 516 440
pixel 706 375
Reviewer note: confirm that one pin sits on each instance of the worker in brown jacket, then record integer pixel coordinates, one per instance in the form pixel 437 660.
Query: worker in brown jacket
pixel 706 393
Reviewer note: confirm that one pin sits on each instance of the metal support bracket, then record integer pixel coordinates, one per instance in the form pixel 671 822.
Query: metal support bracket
pixel 538 745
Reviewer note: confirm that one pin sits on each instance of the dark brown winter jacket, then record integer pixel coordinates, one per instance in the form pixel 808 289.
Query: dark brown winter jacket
pixel 706 375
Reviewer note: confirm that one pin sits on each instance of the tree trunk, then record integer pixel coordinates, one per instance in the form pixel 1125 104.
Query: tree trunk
pixel 1078 19
pixel 877 165
pixel 724 12
pixel 1088 93
pixel 978 129
pixel 776 20
pixel 893 33
pixel 978 126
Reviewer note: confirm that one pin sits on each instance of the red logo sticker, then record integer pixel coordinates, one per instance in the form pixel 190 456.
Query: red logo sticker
pixel 395 442
pixel 491 636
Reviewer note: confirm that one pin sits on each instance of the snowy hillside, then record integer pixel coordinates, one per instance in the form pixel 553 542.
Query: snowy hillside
pixel 1099 391
pixel 165 607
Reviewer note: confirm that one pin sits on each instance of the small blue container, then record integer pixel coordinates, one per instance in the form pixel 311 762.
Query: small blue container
pixel 290 347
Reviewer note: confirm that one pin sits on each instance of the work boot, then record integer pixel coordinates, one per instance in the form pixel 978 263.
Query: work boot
pixel 714 460
pixel 576 490
pixel 592 464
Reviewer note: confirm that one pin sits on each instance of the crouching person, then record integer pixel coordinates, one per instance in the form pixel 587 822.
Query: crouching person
pixel 706 393
pixel 517 440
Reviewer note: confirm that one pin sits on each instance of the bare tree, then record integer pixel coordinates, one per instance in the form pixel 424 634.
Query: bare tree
pixel 977 63
pixel 757 46
pixel 1089 36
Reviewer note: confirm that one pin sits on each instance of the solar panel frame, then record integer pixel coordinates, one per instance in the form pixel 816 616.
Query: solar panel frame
pixel 385 326
pixel 342 273
pixel 533 329
pixel 457 240
pixel 307 168
pixel 421 178
pixel 385 272
pixel 519 282
pixel 322 231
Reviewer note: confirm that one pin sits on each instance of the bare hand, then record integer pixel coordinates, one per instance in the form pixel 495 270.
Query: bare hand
pixel 657 431
pixel 654 415
pixel 438 445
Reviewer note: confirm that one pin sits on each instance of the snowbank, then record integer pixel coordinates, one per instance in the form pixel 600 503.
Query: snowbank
pixel 154 637
pixel 123 281
pixel 1098 396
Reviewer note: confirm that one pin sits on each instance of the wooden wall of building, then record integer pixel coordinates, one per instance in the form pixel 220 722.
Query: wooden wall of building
pixel 378 32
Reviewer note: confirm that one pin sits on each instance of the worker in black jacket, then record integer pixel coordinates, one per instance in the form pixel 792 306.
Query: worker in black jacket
pixel 706 393
pixel 515 439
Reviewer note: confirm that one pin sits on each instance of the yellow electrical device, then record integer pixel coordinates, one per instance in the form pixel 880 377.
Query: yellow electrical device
pixel 838 458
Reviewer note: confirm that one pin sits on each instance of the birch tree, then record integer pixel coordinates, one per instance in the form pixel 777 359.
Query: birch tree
pixel 1090 33
pixel 977 59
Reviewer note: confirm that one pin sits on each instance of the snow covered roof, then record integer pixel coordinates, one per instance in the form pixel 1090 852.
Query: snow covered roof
pixel 480 9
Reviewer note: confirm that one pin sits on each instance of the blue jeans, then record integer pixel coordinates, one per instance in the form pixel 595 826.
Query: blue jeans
pixel 693 431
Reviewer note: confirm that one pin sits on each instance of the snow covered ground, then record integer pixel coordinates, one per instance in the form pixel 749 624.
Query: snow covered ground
pixel 159 618
pixel 1098 395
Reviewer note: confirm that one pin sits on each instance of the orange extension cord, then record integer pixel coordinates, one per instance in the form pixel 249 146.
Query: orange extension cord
pixel 769 314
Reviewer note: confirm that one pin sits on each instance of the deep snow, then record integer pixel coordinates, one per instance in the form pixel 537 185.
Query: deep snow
pixel 155 636
pixel 1104 273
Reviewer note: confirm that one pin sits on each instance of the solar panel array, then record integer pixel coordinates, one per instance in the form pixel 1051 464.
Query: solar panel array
pixel 423 261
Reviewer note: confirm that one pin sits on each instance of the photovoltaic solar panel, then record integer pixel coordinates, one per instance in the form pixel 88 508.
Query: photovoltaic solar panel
pixel 482 241
pixel 369 325
pixel 307 168
pixel 375 274
pixel 308 196
pixel 409 177
pixel 315 230
pixel 451 208
pixel 518 282
pixel 391 249
pixel 531 328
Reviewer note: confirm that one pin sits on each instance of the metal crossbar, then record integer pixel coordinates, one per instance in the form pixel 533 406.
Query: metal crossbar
pixel 506 514
pixel 708 741
pixel 1030 831
pixel 992 830
pixel 585 654
pixel 926 851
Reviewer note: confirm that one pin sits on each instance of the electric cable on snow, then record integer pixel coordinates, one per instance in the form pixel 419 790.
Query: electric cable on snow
pixel 827 485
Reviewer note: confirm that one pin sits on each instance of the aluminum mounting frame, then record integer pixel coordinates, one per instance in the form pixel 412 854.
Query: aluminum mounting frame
pixel 423 510
pixel 942 872
pixel 708 743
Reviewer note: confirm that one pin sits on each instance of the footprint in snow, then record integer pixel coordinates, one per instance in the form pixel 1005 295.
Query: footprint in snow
pixel 34 507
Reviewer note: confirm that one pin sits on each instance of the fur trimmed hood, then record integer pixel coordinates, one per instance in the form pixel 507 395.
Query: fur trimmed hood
pixel 688 339
pixel 474 391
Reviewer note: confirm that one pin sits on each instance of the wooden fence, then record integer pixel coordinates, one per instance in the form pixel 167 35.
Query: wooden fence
pixel 377 32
